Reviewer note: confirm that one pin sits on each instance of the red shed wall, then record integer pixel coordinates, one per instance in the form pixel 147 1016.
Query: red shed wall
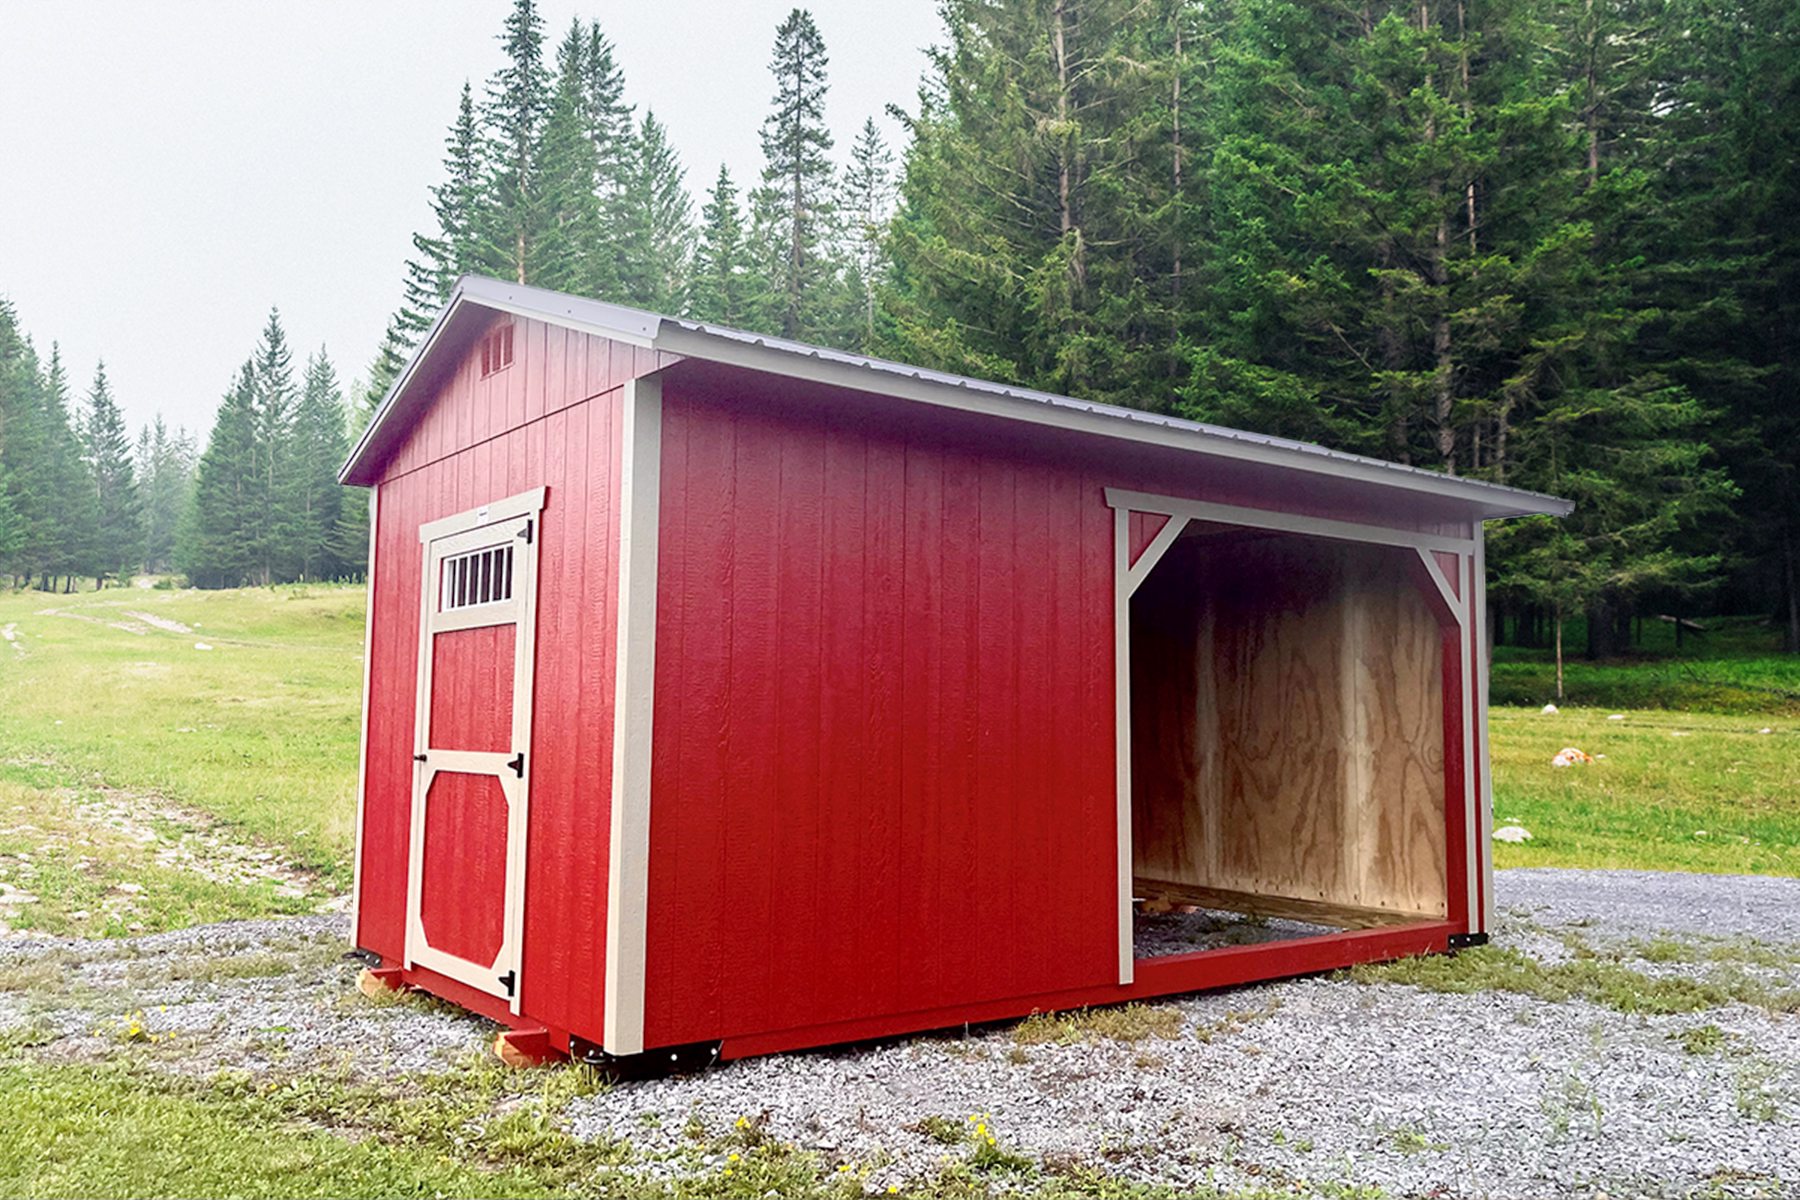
pixel 882 776
pixel 551 419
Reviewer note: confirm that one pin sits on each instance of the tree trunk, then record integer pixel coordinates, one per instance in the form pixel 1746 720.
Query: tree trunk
pixel 1793 595
pixel 1062 117
pixel 1468 104
pixel 1593 96
pixel 1559 654
pixel 1602 630
pixel 1442 373
pixel 1175 119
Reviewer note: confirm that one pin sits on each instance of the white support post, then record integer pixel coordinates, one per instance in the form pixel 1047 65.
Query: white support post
pixel 628 874
pixel 1122 729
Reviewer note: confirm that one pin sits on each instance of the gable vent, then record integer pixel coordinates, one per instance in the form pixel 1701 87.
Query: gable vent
pixel 497 350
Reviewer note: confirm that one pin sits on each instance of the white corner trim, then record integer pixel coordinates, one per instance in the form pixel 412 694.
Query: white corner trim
pixel 362 757
pixel 1484 766
pixel 1122 588
pixel 634 697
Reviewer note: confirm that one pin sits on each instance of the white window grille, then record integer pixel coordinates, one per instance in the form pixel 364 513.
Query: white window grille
pixel 478 577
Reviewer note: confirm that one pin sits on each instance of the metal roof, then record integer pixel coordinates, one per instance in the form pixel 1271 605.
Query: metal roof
pixel 754 351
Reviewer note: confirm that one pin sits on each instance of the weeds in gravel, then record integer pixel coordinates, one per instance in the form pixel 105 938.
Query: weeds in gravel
pixel 1702 1039
pixel 1123 1023
pixel 1743 951
pixel 1411 1141
pixel 946 1131
pixel 1757 1097
pixel 1577 1096
pixel 1597 980
pixel 1235 1020
pixel 45 975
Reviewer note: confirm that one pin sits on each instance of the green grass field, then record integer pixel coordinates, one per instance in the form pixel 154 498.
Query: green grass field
pixel 108 690
pixel 242 757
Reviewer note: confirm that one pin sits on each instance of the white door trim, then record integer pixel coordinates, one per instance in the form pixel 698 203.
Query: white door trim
pixel 1466 607
pixel 514 521
pixel 634 705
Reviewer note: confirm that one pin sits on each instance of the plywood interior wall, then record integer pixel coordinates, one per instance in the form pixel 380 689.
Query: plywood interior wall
pixel 1287 722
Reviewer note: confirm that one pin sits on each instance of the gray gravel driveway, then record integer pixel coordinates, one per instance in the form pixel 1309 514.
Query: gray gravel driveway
pixel 1547 1085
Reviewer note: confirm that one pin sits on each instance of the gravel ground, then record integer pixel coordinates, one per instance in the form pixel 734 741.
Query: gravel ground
pixel 1325 1080
pixel 1328 1080
pixel 274 995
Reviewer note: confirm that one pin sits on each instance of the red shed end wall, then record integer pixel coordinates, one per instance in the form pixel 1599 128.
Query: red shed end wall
pixel 551 419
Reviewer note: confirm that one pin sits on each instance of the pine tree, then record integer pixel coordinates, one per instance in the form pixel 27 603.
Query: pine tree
pixel 455 249
pixel 273 532
pixel 350 539
pixel 657 232
pixel 17 403
pixel 215 546
pixel 517 103
pixel 12 529
pixel 119 526
pixel 165 468
pixel 570 254
pixel 720 287
pixel 793 208
pixel 67 517
pixel 868 191
pixel 613 131
pixel 1019 241
pixel 320 443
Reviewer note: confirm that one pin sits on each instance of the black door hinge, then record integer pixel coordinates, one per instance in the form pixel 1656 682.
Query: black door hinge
pixel 508 981
pixel 526 532
pixel 418 758
pixel 1465 941
pixel 518 764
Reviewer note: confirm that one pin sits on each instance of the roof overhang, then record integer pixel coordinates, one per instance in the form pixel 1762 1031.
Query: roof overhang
pixel 476 299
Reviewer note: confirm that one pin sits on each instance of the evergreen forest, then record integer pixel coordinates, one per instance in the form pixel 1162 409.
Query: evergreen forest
pixel 1543 242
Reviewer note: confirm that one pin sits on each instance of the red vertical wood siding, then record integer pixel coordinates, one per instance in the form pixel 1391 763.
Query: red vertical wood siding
pixel 551 419
pixel 882 776
pixel 462 901
pixel 878 782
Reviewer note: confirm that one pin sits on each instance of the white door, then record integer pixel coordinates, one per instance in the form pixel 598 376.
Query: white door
pixel 471 751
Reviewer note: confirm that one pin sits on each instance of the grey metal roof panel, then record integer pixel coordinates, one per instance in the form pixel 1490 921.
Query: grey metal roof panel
pixel 694 339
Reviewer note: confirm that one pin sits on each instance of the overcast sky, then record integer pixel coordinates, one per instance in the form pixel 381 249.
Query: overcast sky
pixel 170 170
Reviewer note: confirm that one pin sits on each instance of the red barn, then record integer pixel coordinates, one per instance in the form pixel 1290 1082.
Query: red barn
pixel 735 694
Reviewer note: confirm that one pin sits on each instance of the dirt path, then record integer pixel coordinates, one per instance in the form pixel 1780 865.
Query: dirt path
pixel 107 860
